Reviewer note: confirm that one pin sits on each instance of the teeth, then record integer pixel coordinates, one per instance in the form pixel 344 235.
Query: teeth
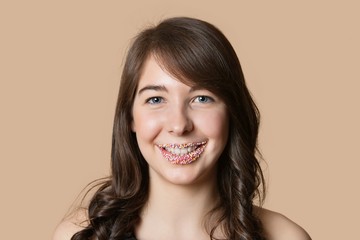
pixel 181 149
pixel 184 151
pixel 181 156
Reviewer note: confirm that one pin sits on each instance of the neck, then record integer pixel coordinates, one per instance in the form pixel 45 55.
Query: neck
pixel 180 210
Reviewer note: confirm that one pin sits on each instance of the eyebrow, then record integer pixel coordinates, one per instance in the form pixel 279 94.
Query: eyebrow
pixel 196 87
pixel 162 88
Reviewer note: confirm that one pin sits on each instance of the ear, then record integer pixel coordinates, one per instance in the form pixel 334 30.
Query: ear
pixel 133 126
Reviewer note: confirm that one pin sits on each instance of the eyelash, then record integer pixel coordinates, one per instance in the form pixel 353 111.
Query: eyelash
pixel 151 100
pixel 158 100
pixel 208 99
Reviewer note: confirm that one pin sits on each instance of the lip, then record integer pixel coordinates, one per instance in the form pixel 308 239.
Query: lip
pixel 182 154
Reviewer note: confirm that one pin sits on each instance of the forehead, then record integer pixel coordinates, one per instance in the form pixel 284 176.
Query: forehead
pixel 154 72
pixel 151 71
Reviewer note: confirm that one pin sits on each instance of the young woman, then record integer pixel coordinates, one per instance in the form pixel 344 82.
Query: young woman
pixel 184 147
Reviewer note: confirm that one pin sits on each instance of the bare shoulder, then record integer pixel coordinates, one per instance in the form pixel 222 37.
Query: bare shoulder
pixel 69 226
pixel 279 227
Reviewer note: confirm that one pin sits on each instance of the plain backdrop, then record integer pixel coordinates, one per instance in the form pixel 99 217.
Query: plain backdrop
pixel 60 65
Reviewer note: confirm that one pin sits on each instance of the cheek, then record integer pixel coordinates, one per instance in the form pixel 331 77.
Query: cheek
pixel 146 126
pixel 215 125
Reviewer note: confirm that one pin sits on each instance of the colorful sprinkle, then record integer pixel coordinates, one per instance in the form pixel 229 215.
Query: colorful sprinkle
pixel 185 158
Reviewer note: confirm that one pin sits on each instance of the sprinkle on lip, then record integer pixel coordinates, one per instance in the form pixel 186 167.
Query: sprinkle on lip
pixel 171 152
pixel 183 145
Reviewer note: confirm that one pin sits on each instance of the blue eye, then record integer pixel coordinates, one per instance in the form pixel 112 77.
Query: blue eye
pixel 203 99
pixel 154 100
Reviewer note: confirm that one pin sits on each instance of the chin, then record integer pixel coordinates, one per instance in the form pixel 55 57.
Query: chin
pixel 187 175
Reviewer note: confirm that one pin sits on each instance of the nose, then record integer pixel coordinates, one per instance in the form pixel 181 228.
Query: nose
pixel 179 121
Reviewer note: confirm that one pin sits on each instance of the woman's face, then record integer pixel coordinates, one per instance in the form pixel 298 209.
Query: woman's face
pixel 181 130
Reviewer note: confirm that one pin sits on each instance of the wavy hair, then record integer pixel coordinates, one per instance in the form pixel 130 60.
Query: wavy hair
pixel 196 53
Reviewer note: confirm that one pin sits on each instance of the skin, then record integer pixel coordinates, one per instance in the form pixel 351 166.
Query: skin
pixel 167 111
pixel 276 225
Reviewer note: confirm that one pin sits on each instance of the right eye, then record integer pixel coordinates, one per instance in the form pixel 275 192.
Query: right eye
pixel 154 100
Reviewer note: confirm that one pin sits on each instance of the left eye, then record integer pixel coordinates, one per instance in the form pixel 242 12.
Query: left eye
pixel 155 100
pixel 203 99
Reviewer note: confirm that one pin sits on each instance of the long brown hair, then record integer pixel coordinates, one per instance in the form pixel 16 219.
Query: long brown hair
pixel 197 53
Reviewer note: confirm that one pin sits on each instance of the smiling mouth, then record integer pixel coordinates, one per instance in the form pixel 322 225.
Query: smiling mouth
pixel 182 154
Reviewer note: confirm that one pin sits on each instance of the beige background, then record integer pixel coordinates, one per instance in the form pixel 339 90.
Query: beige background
pixel 60 65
